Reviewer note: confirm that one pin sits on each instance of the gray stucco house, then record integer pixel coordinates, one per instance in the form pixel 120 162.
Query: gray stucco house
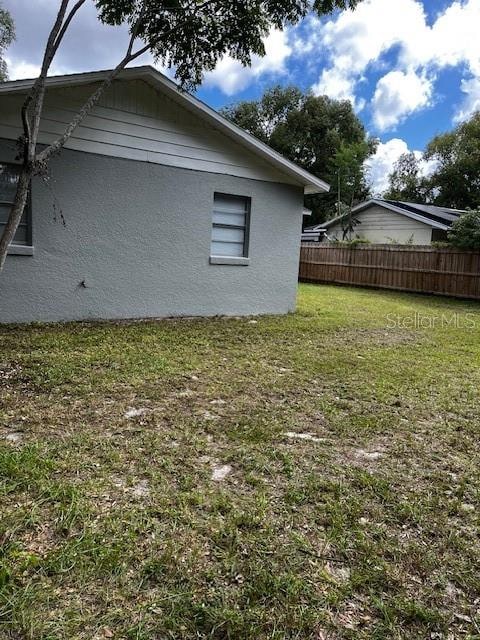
pixel 392 221
pixel 157 206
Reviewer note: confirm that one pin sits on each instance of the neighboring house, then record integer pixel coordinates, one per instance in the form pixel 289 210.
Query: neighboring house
pixel 157 206
pixel 389 221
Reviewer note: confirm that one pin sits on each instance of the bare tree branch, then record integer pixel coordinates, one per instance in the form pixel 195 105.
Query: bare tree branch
pixel 35 98
pixel 36 93
pixel 26 125
pixel 65 26
pixel 55 146
pixel 37 107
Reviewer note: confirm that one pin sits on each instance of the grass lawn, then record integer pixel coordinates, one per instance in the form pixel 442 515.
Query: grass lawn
pixel 309 476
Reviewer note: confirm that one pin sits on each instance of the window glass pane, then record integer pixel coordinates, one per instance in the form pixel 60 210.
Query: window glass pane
pixel 8 182
pixel 230 204
pixel 223 217
pixel 234 249
pixel 223 234
pixel 5 212
pixel 20 236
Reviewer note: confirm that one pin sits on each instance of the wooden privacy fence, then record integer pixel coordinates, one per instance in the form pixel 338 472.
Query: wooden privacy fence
pixel 422 269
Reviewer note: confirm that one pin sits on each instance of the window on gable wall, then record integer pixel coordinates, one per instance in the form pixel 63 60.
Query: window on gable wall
pixel 8 185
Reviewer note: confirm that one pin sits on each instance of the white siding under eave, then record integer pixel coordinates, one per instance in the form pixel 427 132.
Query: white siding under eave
pixel 382 226
pixel 135 121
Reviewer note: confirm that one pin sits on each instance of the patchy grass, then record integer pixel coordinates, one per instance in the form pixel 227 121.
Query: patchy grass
pixel 345 498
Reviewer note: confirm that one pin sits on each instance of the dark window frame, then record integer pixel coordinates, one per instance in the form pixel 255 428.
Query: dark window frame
pixel 245 228
pixel 28 211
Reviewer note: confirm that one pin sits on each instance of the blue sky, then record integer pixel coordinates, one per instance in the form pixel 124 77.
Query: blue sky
pixel 410 67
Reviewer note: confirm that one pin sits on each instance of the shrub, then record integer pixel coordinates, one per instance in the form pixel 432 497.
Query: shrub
pixel 465 232
pixel 409 241
pixel 350 243
pixel 358 241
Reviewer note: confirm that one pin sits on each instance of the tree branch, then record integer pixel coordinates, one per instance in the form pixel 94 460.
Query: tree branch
pixel 26 126
pixel 52 45
pixel 37 92
pixel 129 57
pixel 35 96
pixel 55 146
pixel 65 26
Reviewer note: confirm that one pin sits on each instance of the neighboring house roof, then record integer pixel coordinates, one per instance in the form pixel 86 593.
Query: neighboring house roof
pixel 435 217
pixel 311 183
pixel 436 214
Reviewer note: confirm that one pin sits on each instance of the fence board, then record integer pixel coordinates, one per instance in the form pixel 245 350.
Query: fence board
pixel 422 269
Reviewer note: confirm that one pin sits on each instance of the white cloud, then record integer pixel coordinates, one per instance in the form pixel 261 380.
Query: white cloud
pixel 357 40
pixel 337 87
pixel 380 165
pixel 471 103
pixel 399 94
pixel 451 40
pixel 231 76
pixel 18 69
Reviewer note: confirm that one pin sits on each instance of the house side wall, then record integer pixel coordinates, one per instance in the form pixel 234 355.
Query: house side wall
pixel 381 226
pixel 136 122
pixel 137 235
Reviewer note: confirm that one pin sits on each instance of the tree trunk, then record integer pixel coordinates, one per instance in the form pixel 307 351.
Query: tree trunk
pixel 15 216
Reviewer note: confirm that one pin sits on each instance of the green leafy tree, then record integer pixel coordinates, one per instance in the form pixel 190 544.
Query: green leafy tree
pixel 7 36
pixel 261 117
pixel 190 36
pixel 456 179
pixel 465 232
pixel 322 135
pixel 406 181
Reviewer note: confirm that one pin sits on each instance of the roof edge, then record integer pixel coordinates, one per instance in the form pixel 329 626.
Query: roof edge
pixel 311 183
pixel 377 202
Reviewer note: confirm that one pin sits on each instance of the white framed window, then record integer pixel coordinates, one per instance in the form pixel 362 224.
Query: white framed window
pixel 230 226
